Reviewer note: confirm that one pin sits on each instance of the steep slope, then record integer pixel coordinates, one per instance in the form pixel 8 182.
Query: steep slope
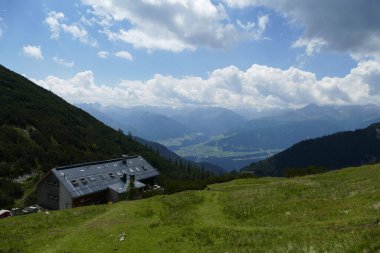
pixel 351 148
pixel 39 130
pixel 332 212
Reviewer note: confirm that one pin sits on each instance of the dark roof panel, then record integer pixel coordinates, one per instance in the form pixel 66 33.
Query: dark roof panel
pixel 83 174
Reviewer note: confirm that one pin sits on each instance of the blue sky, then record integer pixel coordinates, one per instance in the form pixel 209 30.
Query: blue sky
pixel 232 53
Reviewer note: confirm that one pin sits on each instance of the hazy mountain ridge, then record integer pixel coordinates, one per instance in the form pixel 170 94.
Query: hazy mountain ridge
pixel 160 123
pixel 285 129
pixel 262 137
pixel 243 141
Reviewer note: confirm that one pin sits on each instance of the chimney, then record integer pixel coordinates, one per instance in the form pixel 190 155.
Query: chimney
pixel 125 158
pixel 124 178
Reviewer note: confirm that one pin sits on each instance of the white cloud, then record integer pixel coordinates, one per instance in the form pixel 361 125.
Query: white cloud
pixel 312 45
pixel 1 27
pixel 55 22
pixel 124 55
pixel 172 25
pixel 33 51
pixel 256 30
pixel 345 26
pixel 259 87
pixel 62 62
pixel 103 54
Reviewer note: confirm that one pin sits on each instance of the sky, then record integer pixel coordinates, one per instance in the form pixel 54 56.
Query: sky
pixel 250 54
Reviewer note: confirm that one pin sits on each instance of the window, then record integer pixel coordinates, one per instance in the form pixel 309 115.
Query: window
pixel 131 170
pixel 102 177
pixel 143 167
pixel 119 173
pixel 111 175
pixel 83 180
pixel 54 183
pixel 74 182
pixel 137 168
pixel 52 197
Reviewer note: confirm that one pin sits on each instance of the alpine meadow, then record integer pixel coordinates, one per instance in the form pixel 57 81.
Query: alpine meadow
pixel 190 126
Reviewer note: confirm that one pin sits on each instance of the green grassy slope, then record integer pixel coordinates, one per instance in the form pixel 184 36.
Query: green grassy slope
pixel 334 212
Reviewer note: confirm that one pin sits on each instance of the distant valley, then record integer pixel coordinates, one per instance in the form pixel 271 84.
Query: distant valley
pixel 227 139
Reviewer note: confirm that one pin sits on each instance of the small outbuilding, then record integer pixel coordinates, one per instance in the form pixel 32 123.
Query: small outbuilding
pixel 94 183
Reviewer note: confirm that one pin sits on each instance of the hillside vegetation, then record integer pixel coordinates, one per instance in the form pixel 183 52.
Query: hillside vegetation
pixel 333 212
pixel 336 151
pixel 39 130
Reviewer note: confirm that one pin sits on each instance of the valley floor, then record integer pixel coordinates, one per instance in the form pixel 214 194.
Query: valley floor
pixel 333 212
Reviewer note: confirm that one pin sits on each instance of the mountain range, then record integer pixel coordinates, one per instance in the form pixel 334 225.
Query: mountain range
pixel 163 123
pixel 260 138
pixel 227 139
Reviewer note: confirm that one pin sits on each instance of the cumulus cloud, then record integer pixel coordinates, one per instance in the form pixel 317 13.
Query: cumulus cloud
pixel 172 25
pixel 346 26
pixel 33 51
pixel 259 87
pixel 55 21
pixel 62 62
pixel 103 54
pixel 124 55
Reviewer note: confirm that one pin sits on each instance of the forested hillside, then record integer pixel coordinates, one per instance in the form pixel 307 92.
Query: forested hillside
pixel 343 149
pixel 39 130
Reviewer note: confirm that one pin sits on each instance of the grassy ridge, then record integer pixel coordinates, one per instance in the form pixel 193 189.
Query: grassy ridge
pixel 333 212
